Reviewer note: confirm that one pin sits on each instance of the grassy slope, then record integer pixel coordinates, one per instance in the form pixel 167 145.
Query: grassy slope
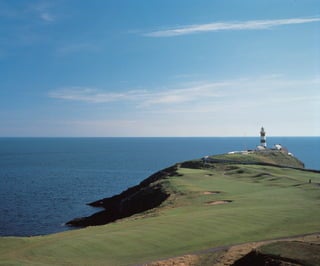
pixel 268 202
pixel 267 156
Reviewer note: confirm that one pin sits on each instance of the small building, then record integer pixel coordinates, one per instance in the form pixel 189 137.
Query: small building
pixel 278 147
pixel 261 148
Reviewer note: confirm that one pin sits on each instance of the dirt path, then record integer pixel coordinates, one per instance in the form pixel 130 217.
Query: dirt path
pixel 227 255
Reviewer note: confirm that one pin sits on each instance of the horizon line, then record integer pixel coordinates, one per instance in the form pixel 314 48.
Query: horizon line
pixel 251 136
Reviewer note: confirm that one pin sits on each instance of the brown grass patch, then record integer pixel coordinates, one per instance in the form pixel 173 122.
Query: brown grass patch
pixel 186 260
pixel 218 202
pixel 211 192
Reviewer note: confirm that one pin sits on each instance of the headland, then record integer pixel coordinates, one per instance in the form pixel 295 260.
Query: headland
pixel 202 207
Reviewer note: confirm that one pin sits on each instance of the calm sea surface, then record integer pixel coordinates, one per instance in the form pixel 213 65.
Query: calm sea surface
pixel 44 182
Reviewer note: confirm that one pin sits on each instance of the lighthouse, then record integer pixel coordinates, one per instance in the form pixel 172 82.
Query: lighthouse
pixel 263 141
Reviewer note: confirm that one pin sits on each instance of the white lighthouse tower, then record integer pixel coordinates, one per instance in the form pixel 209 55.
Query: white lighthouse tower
pixel 263 141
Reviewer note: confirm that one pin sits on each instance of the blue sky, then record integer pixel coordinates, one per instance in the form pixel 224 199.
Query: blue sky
pixel 159 68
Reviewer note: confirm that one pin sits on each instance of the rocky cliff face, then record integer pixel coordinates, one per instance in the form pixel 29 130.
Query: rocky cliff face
pixel 149 194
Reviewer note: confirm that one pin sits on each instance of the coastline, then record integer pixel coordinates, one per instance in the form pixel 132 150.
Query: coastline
pixel 186 222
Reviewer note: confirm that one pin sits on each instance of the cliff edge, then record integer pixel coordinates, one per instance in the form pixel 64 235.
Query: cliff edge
pixel 156 189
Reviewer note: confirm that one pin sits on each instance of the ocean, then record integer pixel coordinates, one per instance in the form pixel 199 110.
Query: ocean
pixel 45 182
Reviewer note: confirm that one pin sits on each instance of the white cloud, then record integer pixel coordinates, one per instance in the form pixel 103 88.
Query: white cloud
pixel 90 95
pixel 203 96
pixel 290 107
pixel 143 98
pixel 227 26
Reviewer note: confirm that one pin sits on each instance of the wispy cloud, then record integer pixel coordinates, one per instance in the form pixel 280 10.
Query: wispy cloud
pixel 197 109
pixel 202 96
pixel 27 10
pixel 89 95
pixel 25 22
pixel 142 98
pixel 47 17
pixel 191 93
pixel 228 26
pixel 43 10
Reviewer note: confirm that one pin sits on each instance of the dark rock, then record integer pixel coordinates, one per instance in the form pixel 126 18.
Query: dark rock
pixel 147 195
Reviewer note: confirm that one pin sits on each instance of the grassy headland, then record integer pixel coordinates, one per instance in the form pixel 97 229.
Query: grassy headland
pixel 229 199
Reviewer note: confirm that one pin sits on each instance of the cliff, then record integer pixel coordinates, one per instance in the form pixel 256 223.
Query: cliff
pixel 156 189
pixel 150 193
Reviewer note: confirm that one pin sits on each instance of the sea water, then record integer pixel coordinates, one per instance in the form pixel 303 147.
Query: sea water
pixel 44 182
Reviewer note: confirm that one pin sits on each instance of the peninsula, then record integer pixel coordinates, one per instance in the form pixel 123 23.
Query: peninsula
pixel 158 188
pixel 195 212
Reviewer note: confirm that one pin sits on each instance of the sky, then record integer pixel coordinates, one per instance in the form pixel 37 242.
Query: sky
pixel 159 68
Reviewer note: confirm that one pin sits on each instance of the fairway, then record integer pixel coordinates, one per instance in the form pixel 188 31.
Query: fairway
pixel 216 205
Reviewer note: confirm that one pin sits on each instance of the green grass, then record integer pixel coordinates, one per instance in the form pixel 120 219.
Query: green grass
pixel 268 156
pixel 267 202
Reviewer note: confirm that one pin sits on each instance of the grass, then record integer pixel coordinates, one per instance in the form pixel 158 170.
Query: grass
pixel 268 156
pixel 267 202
